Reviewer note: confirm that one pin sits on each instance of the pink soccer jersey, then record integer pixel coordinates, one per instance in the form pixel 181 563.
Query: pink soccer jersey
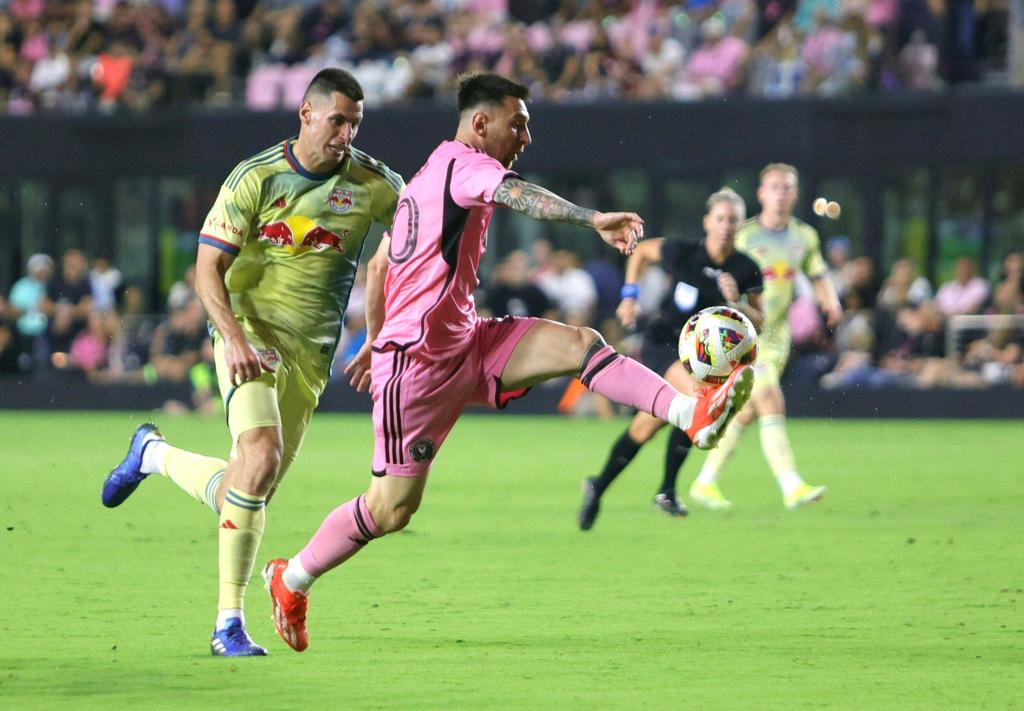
pixel 438 236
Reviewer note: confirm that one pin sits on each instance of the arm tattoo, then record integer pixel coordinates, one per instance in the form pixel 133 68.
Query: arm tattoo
pixel 541 204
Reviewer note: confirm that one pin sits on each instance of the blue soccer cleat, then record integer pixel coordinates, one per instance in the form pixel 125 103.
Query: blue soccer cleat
pixel 233 641
pixel 126 476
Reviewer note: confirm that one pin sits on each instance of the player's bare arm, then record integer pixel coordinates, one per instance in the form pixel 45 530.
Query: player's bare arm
pixel 750 305
pixel 376 273
pixel 646 253
pixel 541 204
pixel 211 266
pixel 826 295
pixel 619 229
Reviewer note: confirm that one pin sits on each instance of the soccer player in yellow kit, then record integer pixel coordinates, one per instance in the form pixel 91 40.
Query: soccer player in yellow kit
pixel 782 245
pixel 276 261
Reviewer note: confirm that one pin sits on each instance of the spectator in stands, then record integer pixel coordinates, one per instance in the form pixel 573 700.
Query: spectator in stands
pixel 662 65
pixel 837 254
pixel 90 351
pixel 178 343
pixel 966 293
pixel 907 345
pixel 68 301
pixel 9 351
pixel 184 290
pixel 777 68
pixel 129 350
pixel 918 64
pixel 717 66
pixel 1008 295
pixel 511 293
pixel 105 280
pixel 74 56
pixel 26 306
pixel 570 288
pixel 997 358
pixel 904 287
pixel 856 331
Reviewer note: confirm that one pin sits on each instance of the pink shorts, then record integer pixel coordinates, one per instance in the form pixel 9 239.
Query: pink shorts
pixel 416 403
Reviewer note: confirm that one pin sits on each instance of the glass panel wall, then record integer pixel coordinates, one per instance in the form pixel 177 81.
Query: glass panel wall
pixel 850 223
pixel 905 231
pixel 1007 217
pixel 684 208
pixel 959 214
pixel 132 244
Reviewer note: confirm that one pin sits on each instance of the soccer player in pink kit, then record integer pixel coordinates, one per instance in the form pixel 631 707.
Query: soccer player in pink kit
pixel 432 356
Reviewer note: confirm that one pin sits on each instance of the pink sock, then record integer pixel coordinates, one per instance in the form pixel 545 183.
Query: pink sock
pixel 342 534
pixel 627 382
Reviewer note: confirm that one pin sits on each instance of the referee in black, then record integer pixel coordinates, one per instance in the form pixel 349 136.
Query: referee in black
pixel 702 273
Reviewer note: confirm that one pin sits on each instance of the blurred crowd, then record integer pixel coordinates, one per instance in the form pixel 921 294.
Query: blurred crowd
pixel 79 317
pixel 900 331
pixel 82 55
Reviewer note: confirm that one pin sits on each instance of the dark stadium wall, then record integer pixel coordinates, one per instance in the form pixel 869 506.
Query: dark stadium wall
pixel 858 141
pixel 853 136
pixel 65 391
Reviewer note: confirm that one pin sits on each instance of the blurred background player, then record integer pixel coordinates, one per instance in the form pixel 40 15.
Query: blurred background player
pixel 781 245
pixel 702 273
pixel 432 355
pixel 276 262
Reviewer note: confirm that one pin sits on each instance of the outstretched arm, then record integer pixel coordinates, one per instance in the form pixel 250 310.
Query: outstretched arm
pixel 647 253
pixel 826 295
pixel 619 229
pixel 540 203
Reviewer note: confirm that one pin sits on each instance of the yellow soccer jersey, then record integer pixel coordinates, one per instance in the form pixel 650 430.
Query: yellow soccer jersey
pixel 781 254
pixel 297 237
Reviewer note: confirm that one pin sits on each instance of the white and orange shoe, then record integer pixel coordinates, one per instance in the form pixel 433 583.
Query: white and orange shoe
pixel 289 607
pixel 717 406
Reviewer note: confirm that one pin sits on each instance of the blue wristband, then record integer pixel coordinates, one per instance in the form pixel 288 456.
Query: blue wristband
pixel 629 291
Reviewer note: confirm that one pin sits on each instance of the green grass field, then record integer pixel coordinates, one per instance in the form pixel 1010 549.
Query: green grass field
pixel 902 590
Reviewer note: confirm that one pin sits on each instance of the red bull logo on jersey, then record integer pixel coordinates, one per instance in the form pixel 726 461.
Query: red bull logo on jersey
pixel 341 200
pixel 300 233
pixel 779 270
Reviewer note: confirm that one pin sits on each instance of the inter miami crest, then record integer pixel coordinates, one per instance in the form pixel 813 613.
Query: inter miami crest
pixel 341 200
pixel 422 449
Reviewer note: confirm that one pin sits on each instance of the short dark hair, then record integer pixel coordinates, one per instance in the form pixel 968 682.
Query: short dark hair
pixel 333 79
pixel 475 89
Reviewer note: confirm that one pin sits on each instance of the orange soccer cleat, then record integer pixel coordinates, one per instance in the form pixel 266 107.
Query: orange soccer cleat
pixel 717 406
pixel 289 607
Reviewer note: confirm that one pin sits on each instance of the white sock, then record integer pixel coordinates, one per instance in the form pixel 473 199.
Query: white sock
pixel 789 481
pixel 708 476
pixel 224 615
pixel 681 410
pixel 153 452
pixel 295 577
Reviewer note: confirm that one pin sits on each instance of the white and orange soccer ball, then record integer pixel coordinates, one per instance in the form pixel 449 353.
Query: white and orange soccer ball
pixel 715 341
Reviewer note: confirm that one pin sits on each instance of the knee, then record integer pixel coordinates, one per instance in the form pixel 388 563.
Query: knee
pixel 393 518
pixel 771 402
pixel 586 337
pixel 586 342
pixel 261 463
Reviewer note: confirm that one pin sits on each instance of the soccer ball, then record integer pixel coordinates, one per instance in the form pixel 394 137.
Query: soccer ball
pixel 715 341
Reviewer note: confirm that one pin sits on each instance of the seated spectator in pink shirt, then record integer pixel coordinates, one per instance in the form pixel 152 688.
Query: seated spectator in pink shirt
pixel 718 65
pixel 966 293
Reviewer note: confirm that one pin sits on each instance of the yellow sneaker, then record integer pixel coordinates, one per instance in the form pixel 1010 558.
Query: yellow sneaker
pixel 709 496
pixel 804 495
